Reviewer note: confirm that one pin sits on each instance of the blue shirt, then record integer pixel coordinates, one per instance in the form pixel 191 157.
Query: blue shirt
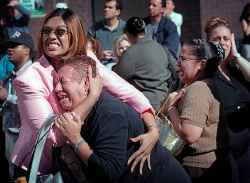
pixel 6 67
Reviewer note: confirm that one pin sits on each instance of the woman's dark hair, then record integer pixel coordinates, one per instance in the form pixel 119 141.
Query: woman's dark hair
pixel 245 13
pixel 135 26
pixel 204 50
pixel 209 52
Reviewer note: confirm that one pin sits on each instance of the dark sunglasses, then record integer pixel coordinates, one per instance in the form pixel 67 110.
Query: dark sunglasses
pixel 59 32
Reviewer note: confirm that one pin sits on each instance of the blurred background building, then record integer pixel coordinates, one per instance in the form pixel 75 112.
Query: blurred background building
pixel 195 13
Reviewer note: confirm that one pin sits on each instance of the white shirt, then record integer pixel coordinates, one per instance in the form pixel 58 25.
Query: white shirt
pixel 177 19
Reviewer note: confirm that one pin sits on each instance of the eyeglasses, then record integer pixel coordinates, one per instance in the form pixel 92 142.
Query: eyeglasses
pixel 182 59
pixel 59 32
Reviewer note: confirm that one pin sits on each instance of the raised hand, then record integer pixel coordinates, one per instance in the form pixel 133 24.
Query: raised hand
pixel 234 52
pixel 70 126
pixel 173 99
pixel 147 141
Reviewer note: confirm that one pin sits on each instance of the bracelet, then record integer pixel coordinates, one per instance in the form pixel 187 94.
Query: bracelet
pixel 76 146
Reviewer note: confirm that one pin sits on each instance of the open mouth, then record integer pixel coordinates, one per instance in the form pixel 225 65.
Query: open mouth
pixel 52 46
pixel 64 101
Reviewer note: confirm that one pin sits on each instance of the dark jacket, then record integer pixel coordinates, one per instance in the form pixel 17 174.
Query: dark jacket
pixel 109 128
pixel 233 134
pixel 167 35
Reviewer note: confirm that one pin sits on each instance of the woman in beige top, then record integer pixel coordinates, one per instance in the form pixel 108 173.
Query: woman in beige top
pixel 194 111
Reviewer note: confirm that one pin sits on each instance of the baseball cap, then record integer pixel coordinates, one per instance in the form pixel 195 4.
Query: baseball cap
pixel 20 38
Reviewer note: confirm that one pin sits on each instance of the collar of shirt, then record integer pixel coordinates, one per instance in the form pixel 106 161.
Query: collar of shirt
pixel 151 30
pixel 105 26
pixel 23 68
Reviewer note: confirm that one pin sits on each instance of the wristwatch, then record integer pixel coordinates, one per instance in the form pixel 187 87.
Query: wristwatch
pixel 76 146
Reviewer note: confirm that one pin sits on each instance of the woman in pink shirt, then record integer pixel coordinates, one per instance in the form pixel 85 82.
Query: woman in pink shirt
pixel 62 37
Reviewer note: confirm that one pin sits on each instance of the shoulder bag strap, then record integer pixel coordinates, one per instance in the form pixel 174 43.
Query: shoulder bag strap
pixel 38 149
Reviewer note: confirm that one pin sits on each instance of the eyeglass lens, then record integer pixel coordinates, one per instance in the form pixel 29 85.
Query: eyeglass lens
pixel 58 31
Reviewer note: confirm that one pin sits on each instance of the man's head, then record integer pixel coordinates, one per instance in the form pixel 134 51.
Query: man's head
pixel 72 81
pixel 20 48
pixel 169 6
pixel 112 9
pixel 155 8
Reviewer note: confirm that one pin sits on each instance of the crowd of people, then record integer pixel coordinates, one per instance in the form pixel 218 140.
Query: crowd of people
pixel 98 90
